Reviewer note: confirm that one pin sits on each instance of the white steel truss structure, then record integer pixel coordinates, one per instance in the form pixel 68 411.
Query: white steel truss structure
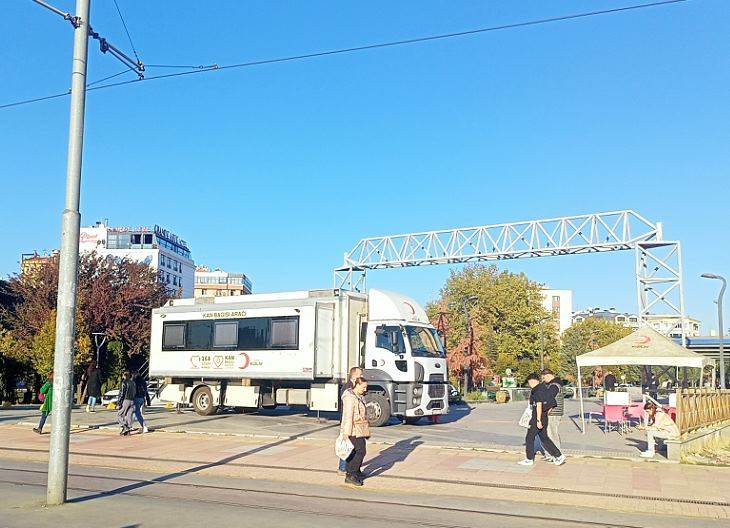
pixel 658 262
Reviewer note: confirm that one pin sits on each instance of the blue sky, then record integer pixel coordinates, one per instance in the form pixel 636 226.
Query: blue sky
pixel 277 170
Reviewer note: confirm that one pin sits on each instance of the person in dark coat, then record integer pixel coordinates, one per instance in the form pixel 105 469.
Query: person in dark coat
pixel 142 396
pixel 125 403
pixel 609 382
pixel 93 386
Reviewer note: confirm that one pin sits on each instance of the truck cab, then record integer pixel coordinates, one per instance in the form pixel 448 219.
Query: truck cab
pixel 404 360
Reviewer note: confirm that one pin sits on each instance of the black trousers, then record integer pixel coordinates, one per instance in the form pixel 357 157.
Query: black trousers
pixel 354 461
pixel 547 444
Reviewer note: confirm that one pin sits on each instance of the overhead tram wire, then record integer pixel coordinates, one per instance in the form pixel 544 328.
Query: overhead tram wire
pixel 126 30
pixel 417 40
pixel 108 77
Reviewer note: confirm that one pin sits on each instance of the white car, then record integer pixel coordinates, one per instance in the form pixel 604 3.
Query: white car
pixel 111 396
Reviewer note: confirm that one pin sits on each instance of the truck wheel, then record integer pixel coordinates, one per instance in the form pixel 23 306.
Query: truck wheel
pixel 203 402
pixel 377 408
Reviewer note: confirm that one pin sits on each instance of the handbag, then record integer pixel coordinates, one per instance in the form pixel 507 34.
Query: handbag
pixel 41 397
pixel 526 417
pixel 343 447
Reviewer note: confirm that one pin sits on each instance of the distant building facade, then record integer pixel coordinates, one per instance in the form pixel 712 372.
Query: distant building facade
pixel 217 283
pixel 160 249
pixel 560 305
pixel 662 324
pixel 32 262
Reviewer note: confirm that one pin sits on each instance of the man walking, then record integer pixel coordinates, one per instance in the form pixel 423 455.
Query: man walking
pixel 355 373
pixel 125 403
pixel 555 389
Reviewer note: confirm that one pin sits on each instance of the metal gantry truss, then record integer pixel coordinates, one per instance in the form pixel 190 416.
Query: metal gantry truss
pixel 658 262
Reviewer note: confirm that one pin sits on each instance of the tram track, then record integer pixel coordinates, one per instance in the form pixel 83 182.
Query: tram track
pixel 138 484
pixel 493 485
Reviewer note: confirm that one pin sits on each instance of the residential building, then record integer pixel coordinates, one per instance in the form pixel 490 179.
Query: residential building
pixel 219 283
pixel 31 262
pixel 160 249
pixel 560 305
pixel 661 323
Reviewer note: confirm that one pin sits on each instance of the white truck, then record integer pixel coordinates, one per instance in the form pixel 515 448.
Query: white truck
pixel 296 348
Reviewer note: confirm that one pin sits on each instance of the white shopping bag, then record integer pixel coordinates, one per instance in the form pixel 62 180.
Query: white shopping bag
pixel 526 417
pixel 343 447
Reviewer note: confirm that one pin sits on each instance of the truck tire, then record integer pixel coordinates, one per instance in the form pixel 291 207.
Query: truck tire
pixel 377 409
pixel 203 402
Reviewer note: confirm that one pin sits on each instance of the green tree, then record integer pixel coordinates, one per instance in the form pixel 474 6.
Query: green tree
pixel 589 334
pixel 506 312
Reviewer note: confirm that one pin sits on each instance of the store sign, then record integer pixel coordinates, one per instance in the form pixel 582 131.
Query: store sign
pixel 172 237
pixel 224 315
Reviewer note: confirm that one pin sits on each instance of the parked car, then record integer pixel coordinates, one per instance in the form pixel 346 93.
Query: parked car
pixel 111 396
pixel 454 394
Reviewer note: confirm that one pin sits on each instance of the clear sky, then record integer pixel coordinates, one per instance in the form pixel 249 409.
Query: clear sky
pixel 277 170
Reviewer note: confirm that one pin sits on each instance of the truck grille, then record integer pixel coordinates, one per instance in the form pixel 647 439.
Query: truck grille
pixel 436 387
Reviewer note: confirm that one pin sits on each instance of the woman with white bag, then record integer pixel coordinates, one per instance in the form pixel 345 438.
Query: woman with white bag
pixel 355 428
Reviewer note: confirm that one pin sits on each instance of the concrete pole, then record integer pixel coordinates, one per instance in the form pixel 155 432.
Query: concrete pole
pixel 68 270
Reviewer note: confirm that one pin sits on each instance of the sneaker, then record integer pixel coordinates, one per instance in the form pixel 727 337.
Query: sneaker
pixel 647 454
pixel 352 480
pixel 144 429
pixel 526 462
pixel 36 430
pixel 341 472
pixel 559 461
pixel 88 409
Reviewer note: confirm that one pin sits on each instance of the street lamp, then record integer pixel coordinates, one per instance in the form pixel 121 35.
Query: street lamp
pixel 719 323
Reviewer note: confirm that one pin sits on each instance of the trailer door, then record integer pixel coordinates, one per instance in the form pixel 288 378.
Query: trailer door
pixel 324 340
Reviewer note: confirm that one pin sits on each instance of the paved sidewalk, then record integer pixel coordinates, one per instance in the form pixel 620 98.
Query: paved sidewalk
pixel 620 485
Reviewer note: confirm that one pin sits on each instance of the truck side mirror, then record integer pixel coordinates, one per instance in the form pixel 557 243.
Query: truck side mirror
pixel 394 342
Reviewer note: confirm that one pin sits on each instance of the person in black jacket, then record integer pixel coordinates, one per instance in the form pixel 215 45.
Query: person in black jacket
pixel 93 386
pixel 125 403
pixel 142 397
pixel 541 402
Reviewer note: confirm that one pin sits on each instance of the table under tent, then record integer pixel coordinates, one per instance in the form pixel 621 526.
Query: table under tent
pixel 644 347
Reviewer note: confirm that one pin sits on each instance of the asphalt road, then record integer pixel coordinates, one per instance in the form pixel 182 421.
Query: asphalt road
pixel 121 498
pixel 479 426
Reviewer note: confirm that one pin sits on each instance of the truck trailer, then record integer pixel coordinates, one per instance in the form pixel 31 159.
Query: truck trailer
pixel 296 348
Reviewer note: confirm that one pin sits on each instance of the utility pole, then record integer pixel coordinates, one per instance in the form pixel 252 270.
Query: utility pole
pixel 719 323
pixel 68 268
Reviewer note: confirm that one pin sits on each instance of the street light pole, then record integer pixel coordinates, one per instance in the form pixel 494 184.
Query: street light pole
pixel 719 323
pixel 68 268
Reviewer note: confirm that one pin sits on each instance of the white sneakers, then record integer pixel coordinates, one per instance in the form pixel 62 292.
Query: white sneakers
pixel 647 454
pixel 88 409
pixel 557 461
pixel 145 430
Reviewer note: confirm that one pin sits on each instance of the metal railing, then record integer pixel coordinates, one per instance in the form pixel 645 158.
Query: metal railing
pixel 698 408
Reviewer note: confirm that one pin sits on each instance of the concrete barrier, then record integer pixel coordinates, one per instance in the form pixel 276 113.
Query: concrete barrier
pixel 698 440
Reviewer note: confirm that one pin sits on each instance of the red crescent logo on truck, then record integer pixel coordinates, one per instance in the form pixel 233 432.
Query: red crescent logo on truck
pixel 409 305
pixel 246 360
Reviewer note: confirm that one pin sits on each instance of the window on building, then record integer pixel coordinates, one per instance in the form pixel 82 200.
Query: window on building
pixel 162 260
pixel 173 335
pixel 225 334
pixel 148 238
pixel 136 239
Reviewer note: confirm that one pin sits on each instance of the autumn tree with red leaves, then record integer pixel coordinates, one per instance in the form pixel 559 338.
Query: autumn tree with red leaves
pixel 114 297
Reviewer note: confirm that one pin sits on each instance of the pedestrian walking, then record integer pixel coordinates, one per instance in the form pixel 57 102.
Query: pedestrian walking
pixel 555 414
pixel 125 403
pixel 46 396
pixel 355 427
pixel 141 397
pixel 541 402
pixel 355 372
pixel 93 386
pixel 658 425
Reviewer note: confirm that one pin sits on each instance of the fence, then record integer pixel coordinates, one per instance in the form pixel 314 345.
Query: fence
pixel 698 408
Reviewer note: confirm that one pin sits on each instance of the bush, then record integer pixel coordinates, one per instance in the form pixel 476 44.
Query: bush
pixel 476 396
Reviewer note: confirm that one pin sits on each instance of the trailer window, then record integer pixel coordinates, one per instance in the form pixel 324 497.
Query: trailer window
pixel 253 333
pixel 285 332
pixel 199 335
pixel 225 334
pixel 173 335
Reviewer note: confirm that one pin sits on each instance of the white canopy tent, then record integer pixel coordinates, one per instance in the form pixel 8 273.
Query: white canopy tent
pixel 645 347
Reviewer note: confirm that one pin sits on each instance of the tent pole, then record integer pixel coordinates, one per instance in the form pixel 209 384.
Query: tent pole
pixel 582 411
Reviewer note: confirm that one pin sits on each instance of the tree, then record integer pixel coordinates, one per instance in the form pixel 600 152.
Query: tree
pixel 589 334
pixel 114 297
pixel 506 310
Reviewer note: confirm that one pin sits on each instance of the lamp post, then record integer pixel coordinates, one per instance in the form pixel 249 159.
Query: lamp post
pixel 719 323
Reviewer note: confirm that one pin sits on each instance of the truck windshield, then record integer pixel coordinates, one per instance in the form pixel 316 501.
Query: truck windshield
pixel 424 342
